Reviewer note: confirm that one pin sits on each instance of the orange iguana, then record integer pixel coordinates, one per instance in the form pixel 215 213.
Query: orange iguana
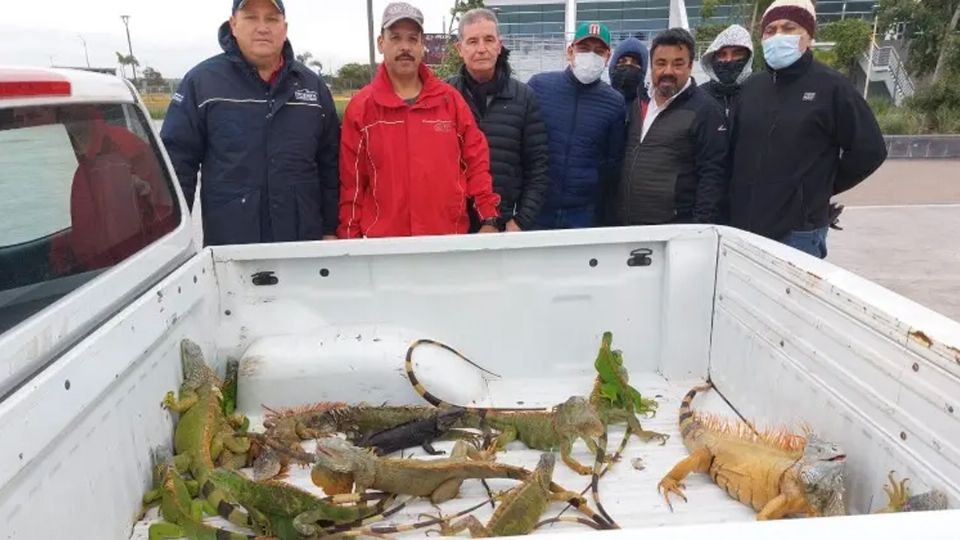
pixel 775 472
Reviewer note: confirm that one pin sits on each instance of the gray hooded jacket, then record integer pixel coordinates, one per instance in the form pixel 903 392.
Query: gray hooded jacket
pixel 734 35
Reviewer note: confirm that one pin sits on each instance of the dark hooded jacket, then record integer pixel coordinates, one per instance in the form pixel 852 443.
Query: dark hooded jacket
pixel 508 113
pixel 635 48
pixel 268 152
pixel 727 95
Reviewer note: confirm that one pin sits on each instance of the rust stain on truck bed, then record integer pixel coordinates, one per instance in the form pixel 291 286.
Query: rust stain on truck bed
pixel 921 338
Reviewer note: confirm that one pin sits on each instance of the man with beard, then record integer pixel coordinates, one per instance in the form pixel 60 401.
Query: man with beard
pixel 728 63
pixel 411 155
pixel 509 115
pixel 675 166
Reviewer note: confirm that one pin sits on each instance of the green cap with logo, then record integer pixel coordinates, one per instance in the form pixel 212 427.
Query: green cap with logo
pixel 592 30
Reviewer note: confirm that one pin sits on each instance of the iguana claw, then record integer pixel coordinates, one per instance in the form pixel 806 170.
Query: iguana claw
pixel 669 485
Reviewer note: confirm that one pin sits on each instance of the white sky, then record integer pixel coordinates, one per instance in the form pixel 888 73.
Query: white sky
pixel 174 35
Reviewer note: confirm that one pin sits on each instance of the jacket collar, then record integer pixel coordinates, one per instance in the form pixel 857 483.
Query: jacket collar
pixel 682 96
pixel 383 92
pixel 502 74
pixel 794 70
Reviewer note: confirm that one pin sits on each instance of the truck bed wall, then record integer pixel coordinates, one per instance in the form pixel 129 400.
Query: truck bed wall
pixel 797 339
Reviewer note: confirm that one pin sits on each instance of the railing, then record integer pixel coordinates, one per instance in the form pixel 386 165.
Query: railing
pixel 886 59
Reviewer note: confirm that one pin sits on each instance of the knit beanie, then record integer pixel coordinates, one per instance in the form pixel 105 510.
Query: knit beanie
pixel 801 12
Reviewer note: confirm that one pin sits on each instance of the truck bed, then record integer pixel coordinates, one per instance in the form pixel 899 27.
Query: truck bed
pixel 629 495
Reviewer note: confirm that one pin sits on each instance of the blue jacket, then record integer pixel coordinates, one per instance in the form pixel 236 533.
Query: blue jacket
pixel 268 153
pixel 586 130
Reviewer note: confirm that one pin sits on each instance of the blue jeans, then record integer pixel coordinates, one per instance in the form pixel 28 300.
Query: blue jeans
pixel 569 218
pixel 812 242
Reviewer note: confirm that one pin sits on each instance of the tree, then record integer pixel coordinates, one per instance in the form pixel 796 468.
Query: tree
pixel 353 76
pixel 127 60
pixel 851 38
pixel 153 81
pixel 932 33
pixel 306 58
pixel 462 7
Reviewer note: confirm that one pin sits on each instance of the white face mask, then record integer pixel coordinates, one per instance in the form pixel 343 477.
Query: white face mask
pixel 588 66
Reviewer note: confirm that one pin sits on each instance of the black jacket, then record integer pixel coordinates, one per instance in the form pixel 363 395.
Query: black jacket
pixel 729 100
pixel 518 145
pixel 679 173
pixel 802 135
pixel 269 153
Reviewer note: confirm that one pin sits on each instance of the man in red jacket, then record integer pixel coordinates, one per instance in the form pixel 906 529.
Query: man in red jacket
pixel 411 154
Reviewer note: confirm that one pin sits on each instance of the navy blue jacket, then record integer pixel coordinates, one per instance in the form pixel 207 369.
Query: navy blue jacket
pixel 268 153
pixel 586 130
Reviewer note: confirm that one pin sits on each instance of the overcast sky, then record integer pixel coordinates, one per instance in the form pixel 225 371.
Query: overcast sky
pixel 174 35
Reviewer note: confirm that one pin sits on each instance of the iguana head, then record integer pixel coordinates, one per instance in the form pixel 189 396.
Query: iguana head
pixel 576 415
pixel 196 372
pixel 340 456
pixel 821 474
pixel 543 474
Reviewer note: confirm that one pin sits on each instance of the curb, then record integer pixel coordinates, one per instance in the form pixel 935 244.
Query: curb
pixel 923 146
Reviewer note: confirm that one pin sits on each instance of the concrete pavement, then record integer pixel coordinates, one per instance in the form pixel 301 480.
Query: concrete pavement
pixel 902 230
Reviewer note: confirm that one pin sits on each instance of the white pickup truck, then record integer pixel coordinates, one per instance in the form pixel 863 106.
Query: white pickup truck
pixel 99 286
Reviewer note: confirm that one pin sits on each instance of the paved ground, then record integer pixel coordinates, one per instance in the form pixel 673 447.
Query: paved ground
pixel 902 230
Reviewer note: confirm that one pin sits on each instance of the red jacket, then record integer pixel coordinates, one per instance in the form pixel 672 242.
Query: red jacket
pixel 409 170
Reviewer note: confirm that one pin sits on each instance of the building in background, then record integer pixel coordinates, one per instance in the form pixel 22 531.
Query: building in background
pixel 537 31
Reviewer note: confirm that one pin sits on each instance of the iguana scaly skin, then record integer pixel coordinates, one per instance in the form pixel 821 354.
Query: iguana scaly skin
pixel 899 498
pixel 613 397
pixel 290 512
pixel 776 473
pixel 183 515
pixel 203 433
pixel 539 429
pixel 518 514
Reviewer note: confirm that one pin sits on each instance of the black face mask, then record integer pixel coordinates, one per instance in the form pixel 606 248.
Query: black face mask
pixel 626 79
pixel 727 72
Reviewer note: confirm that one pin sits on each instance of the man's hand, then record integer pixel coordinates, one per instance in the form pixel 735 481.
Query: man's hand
pixel 486 229
pixel 835 211
pixel 512 226
pixel 330 237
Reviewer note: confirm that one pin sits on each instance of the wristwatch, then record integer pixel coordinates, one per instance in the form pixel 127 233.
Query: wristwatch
pixel 491 222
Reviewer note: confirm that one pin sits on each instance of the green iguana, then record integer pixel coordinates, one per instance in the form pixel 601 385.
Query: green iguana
pixel 203 433
pixel 899 498
pixel 777 473
pixel 613 397
pixel 182 514
pixel 518 514
pixel 289 512
pixel 538 429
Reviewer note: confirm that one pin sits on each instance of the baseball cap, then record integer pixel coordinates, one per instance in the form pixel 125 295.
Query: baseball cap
pixel 238 4
pixel 592 30
pixel 398 11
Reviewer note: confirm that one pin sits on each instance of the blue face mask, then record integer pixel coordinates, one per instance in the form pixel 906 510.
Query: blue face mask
pixel 781 50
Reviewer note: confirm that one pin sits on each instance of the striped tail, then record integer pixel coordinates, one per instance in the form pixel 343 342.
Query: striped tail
pixel 689 424
pixel 227 510
pixel 430 398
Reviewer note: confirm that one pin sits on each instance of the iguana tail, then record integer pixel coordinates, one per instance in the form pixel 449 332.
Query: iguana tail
pixel 432 399
pixel 690 425
pixel 382 529
pixel 227 510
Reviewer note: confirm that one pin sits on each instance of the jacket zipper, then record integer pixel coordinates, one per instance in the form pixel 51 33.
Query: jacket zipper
pixel 573 128
pixel 763 154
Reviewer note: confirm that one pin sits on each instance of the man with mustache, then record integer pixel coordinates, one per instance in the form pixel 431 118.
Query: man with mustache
pixel 411 154
pixel 264 131
pixel 675 165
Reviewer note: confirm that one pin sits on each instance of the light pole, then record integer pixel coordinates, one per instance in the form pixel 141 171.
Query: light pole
pixel 126 23
pixel 373 58
pixel 86 53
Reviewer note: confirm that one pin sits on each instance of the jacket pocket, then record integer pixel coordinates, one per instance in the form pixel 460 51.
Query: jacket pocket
pixel 235 222
pixel 309 214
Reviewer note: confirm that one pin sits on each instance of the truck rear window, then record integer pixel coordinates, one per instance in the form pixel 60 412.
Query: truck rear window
pixel 82 188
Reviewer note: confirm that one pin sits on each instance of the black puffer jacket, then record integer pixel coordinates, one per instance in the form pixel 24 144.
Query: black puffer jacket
pixel 518 144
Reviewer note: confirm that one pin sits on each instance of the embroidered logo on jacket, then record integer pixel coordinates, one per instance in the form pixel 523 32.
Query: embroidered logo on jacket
pixel 443 126
pixel 177 98
pixel 306 95
pixel 809 96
